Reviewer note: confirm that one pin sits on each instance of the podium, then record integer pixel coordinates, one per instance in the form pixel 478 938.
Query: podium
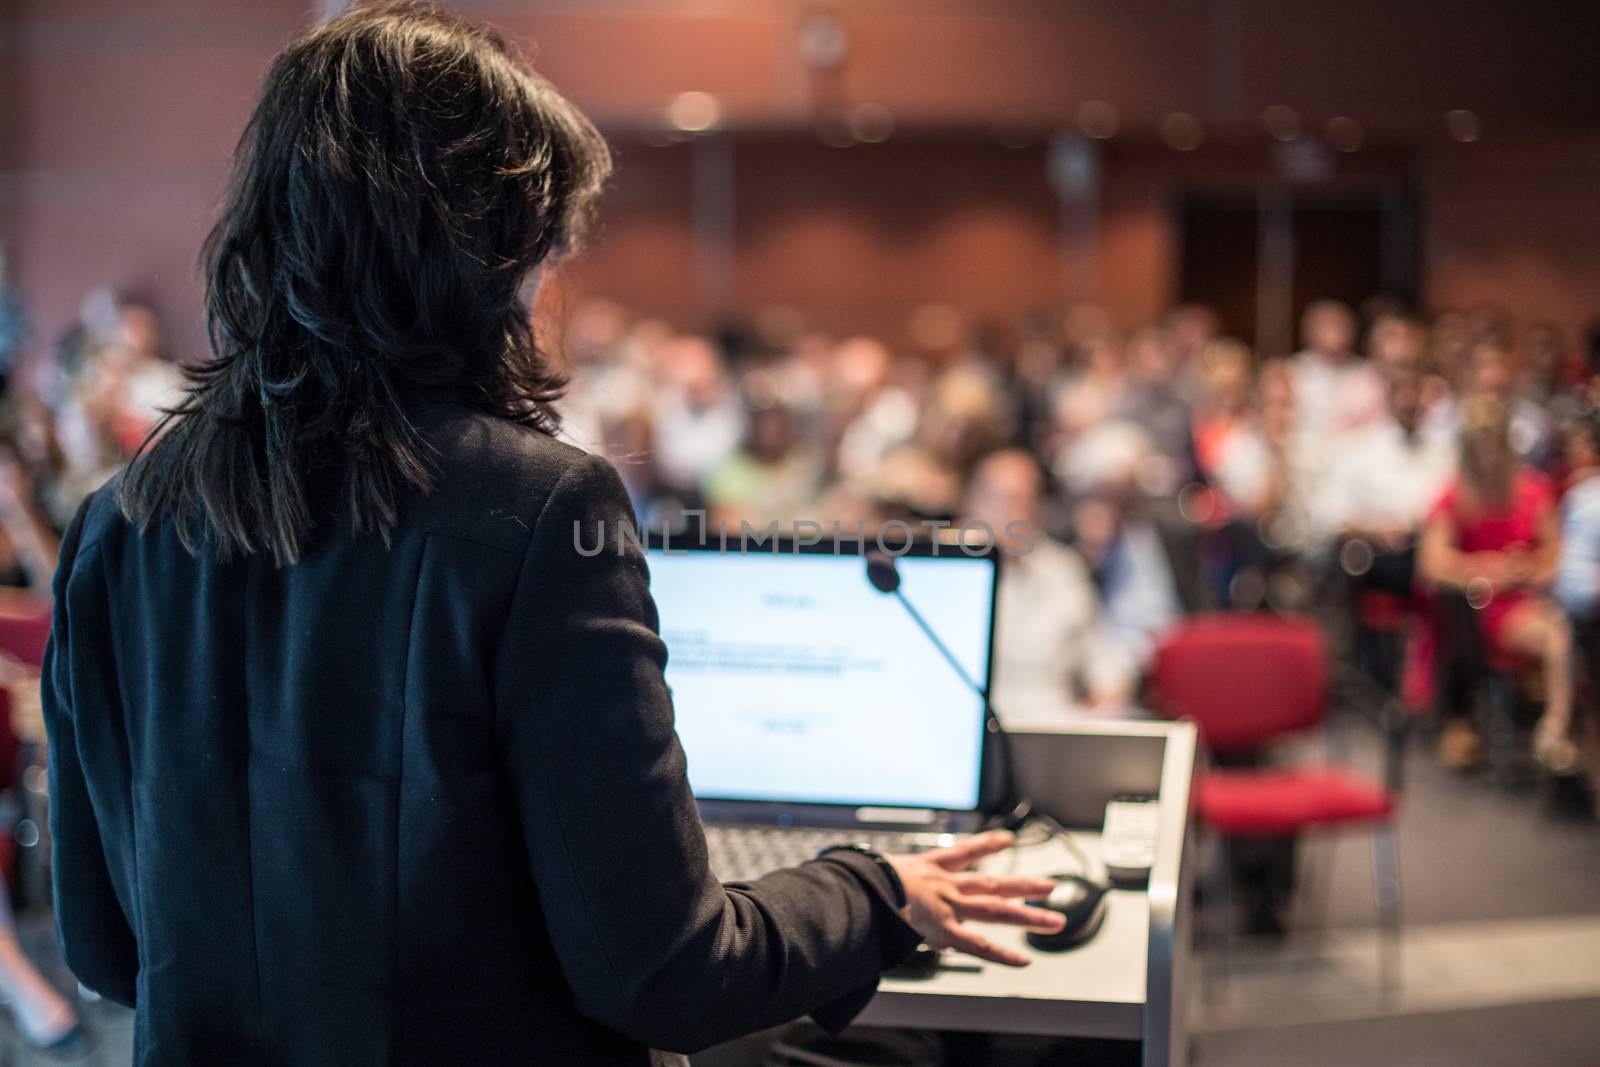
pixel 1130 980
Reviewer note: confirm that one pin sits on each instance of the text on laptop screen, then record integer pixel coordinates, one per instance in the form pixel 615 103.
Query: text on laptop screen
pixel 794 680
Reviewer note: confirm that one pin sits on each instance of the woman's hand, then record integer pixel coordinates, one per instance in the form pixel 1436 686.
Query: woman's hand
pixel 941 895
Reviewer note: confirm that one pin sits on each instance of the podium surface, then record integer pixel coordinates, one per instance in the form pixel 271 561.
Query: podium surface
pixel 1128 981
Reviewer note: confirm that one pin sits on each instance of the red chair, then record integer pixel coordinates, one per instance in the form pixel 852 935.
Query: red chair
pixel 24 636
pixel 1247 681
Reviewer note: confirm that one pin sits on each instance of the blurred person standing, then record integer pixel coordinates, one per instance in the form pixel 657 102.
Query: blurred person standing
pixel 357 756
pixel 1052 655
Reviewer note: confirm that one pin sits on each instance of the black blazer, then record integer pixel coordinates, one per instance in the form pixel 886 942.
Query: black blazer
pixel 416 804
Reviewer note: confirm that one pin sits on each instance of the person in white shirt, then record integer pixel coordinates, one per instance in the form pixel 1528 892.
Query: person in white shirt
pixel 1270 474
pixel 1577 584
pixel 1489 369
pixel 1386 477
pixel 698 418
pixel 1052 657
pixel 1337 390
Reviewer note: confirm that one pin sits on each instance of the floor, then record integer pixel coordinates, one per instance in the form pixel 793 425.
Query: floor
pixel 1500 960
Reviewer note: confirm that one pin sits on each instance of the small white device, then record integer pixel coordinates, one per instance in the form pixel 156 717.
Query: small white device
pixel 1128 838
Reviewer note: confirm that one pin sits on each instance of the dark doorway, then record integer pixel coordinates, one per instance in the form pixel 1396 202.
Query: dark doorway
pixel 1221 243
pixel 1259 256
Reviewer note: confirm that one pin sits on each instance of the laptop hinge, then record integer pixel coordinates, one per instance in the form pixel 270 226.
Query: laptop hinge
pixel 899 816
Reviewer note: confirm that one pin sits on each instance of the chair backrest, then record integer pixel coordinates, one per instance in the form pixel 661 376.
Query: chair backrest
pixel 10 749
pixel 24 636
pixel 1243 679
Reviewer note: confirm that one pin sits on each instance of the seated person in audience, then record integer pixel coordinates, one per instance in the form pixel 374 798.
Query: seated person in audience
pixel 42 1015
pixel 1548 370
pixel 1224 408
pixel 28 542
pixel 134 384
pixel 1495 537
pixel 1337 389
pixel 773 477
pixel 1093 390
pixel 964 417
pixel 628 441
pixel 1488 370
pixel 1152 400
pixel 1138 593
pixel 698 419
pixel 1191 327
pixel 1224 414
pixel 1396 342
pixel 604 386
pixel 1269 475
pixel 1577 585
pixel 1051 655
pixel 1388 474
pixel 867 415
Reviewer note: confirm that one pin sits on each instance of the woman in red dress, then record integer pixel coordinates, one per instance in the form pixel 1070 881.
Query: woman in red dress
pixel 1495 536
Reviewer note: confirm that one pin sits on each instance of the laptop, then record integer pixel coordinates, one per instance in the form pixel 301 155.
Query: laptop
pixel 812 709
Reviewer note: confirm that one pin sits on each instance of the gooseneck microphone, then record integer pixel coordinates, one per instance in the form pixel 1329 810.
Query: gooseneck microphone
pixel 1080 898
pixel 884 574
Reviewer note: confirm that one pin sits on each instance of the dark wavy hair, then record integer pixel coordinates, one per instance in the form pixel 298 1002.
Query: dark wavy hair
pixel 402 176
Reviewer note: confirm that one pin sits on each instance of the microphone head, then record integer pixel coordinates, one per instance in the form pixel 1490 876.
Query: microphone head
pixel 882 572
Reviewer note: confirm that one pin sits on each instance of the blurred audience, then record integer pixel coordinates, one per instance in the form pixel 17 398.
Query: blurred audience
pixel 1137 455
pixel 1130 474
pixel 1053 648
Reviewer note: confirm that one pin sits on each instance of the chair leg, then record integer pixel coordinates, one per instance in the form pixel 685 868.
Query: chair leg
pixel 1223 906
pixel 1386 891
pixel 1316 875
pixel 1502 731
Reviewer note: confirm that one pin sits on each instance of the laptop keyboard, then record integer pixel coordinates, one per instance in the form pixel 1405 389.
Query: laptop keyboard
pixel 744 853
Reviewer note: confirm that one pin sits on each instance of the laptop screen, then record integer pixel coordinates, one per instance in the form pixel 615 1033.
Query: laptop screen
pixel 795 681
